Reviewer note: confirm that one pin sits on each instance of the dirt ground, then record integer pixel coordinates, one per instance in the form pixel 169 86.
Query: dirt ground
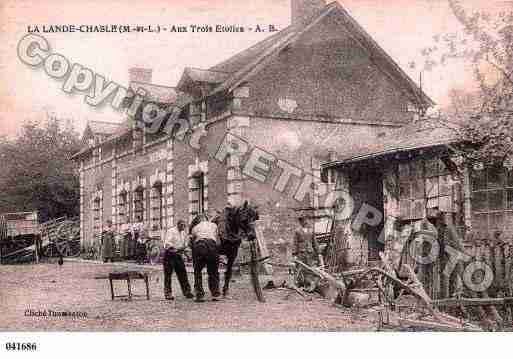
pixel 73 288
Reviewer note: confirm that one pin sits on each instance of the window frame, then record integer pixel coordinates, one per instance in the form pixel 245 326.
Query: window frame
pixel 504 186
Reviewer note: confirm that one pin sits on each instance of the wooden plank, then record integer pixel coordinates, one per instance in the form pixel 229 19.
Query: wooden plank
pixel 423 324
pixel 320 273
pixel 508 260
pixel 455 302
pixel 498 261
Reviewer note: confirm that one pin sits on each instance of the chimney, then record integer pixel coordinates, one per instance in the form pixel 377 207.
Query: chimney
pixel 304 10
pixel 139 74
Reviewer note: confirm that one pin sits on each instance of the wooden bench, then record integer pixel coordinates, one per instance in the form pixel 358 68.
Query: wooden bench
pixel 129 276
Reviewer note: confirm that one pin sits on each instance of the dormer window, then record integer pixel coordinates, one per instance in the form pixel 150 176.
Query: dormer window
pixel 411 107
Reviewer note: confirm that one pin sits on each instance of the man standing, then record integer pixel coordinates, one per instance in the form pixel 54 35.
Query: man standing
pixel 306 248
pixel 205 242
pixel 175 244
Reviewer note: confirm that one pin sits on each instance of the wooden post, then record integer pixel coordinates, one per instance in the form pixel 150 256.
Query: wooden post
pixel 111 289
pixel 147 286
pixel 129 288
pixel 467 195
pixel 36 250
pixel 508 259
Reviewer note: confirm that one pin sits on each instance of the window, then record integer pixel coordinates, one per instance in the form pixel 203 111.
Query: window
pixel 425 184
pixel 412 191
pixel 123 208
pixel 97 215
pixel 439 186
pixel 201 192
pixel 492 201
pixel 325 175
pixel 328 176
pixel 156 206
pixel 198 194
pixel 138 204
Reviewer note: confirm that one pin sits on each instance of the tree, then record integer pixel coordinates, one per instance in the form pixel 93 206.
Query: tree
pixel 484 117
pixel 37 173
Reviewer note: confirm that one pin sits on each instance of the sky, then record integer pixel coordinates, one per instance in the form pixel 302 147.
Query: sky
pixel 402 27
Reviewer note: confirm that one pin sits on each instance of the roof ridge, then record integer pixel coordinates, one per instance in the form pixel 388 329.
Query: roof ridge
pixel 197 68
pixel 252 47
pixel 297 31
pixel 290 27
pixel 103 121
pixel 152 84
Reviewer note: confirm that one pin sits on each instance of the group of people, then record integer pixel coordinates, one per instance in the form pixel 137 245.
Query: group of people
pixel 131 246
pixel 207 238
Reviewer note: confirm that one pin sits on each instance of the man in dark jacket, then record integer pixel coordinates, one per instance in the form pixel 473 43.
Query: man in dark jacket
pixel 306 248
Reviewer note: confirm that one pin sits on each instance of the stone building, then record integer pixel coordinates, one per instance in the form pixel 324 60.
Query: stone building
pixel 322 85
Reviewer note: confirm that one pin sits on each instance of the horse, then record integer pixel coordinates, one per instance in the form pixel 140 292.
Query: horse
pixel 234 225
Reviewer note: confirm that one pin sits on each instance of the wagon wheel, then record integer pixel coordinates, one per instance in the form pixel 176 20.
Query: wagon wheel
pixel 67 239
pixel 48 248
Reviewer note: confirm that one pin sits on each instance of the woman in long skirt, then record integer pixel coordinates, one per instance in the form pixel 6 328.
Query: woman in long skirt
pixel 108 243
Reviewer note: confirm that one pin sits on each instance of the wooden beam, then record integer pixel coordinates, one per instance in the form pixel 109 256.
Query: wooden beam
pixel 424 324
pixel 456 302
pixel 322 274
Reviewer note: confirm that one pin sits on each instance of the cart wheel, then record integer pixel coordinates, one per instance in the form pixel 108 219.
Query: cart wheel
pixel 67 239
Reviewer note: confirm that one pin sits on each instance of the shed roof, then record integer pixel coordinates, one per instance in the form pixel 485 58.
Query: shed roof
pixel 419 135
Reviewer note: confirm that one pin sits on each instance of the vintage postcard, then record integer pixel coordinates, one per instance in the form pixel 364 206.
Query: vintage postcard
pixel 268 166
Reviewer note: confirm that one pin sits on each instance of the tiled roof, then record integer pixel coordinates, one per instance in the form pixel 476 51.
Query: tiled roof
pixel 161 94
pixel 104 128
pixel 248 62
pixel 192 75
pixel 200 75
pixel 418 135
pixel 237 61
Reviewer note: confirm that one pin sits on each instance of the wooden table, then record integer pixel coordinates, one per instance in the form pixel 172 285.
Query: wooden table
pixel 129 276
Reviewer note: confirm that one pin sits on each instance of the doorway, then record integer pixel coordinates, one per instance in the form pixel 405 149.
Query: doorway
pixel 367 188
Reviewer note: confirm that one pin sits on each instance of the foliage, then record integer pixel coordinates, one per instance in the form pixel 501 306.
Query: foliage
pixel 37 173
pixel 489 138
pixel 485 41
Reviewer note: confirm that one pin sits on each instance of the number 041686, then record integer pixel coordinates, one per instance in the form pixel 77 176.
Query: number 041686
pixel 16 346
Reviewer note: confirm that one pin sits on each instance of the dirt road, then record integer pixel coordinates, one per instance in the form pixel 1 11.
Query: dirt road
pixel 72 288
